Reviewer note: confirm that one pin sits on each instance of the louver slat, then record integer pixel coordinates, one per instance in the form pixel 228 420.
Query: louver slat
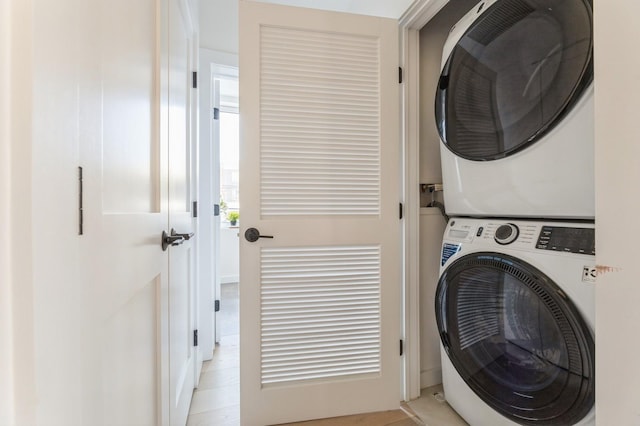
pixel 320 313
pixel 319 123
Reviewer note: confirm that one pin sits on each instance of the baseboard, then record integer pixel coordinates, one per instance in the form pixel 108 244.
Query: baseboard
pixel 430 377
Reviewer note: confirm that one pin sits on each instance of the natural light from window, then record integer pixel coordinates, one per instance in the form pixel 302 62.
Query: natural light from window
pixel 229 149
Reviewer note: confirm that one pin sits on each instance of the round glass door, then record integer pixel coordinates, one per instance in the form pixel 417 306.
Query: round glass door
pixel 515 73
pixel 516 340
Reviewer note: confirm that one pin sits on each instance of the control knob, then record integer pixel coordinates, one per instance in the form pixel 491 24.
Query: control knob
pixel 506 234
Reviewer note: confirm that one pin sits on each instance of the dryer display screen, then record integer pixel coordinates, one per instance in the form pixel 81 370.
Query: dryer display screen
pixel 571 240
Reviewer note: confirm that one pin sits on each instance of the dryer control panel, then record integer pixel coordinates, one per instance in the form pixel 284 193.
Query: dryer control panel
pixel 565 239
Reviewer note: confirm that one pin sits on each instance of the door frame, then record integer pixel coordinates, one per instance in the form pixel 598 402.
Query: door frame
pixel 410 24
pixel 8 177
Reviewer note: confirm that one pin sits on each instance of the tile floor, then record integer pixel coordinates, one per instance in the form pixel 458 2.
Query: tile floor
pixel 216 402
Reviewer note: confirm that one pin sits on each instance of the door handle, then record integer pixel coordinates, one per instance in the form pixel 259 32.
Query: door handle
pixel 171 240
pixel 252 235
pixel 186 237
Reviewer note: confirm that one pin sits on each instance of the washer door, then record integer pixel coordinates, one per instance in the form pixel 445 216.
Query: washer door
pixel 514 74
pixel 516 340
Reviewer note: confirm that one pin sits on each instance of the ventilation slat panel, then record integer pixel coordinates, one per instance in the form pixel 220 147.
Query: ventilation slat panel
pixel 320 313
pixel 319 123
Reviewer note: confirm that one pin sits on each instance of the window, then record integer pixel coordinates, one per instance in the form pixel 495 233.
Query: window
pixel 229 146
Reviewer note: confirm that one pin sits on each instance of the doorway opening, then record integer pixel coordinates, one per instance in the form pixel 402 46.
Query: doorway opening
pixel 227 138
pixel 226 167
pixel 217 398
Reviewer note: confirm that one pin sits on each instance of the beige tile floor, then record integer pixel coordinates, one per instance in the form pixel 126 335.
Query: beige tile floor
pixel 216 402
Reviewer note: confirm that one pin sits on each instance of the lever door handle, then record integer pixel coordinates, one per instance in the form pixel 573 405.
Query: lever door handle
pixel 171 240
pixel 252 235
pixel 186 237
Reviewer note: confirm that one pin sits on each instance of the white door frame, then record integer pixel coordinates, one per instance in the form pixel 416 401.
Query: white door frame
pixel 6 283
pixel 416 17
pixel 209 60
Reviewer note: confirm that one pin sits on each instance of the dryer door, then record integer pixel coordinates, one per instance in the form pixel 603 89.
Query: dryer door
pixel 513 75
pixel 516 340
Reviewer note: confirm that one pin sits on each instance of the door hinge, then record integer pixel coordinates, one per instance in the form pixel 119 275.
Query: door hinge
pixel 216 306
pixel 216 209
pixel 216 113
pixel 400 75
pixel 80 202
pixel 194 80
pixel 400 212
pixel 401 347
pixel 195 337
pixel 195 209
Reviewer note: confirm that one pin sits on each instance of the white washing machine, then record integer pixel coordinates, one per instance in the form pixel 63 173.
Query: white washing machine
pixel 514 109
pixel 515 312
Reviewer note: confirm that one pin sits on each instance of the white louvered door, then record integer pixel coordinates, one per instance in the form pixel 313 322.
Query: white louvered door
pixel 320 143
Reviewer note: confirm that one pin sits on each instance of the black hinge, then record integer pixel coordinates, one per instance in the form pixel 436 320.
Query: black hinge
pixel 194 209
pixel 399 74
pixel 216 306
pixel 401 348
pixel 195 337
pixel 400 211
pixel 195 80
pixel 80 200
pixel 216 209
pixel 216 113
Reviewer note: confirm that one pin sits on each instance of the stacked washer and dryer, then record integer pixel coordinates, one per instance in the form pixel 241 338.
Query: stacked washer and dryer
pixel 515 298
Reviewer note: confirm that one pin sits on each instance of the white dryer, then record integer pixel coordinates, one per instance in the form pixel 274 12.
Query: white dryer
pixel 515 312
pixel 514 109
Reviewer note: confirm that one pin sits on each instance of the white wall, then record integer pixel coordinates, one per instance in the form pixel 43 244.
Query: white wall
pixel 219 25
pixel 17 232
pixel 219 18
pixel 617 126
pixel 229 255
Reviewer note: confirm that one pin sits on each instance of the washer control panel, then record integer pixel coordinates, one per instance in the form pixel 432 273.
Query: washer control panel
pixel 565 239
pixel 489 234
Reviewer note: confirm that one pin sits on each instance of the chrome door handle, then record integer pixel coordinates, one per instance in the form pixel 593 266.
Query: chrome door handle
pixel 252 235
pixel 186 237
pixel 171 240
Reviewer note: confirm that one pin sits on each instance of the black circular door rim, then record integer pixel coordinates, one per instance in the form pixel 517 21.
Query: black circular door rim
pixel 574 98
pixel 549 293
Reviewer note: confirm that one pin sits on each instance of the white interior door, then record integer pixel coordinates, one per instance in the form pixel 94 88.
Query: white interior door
pixel 320 140
pixel 182 357
pixel 124 270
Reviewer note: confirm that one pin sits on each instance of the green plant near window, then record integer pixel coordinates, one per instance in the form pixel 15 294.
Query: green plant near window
pixel 233 217
pixel 223 206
